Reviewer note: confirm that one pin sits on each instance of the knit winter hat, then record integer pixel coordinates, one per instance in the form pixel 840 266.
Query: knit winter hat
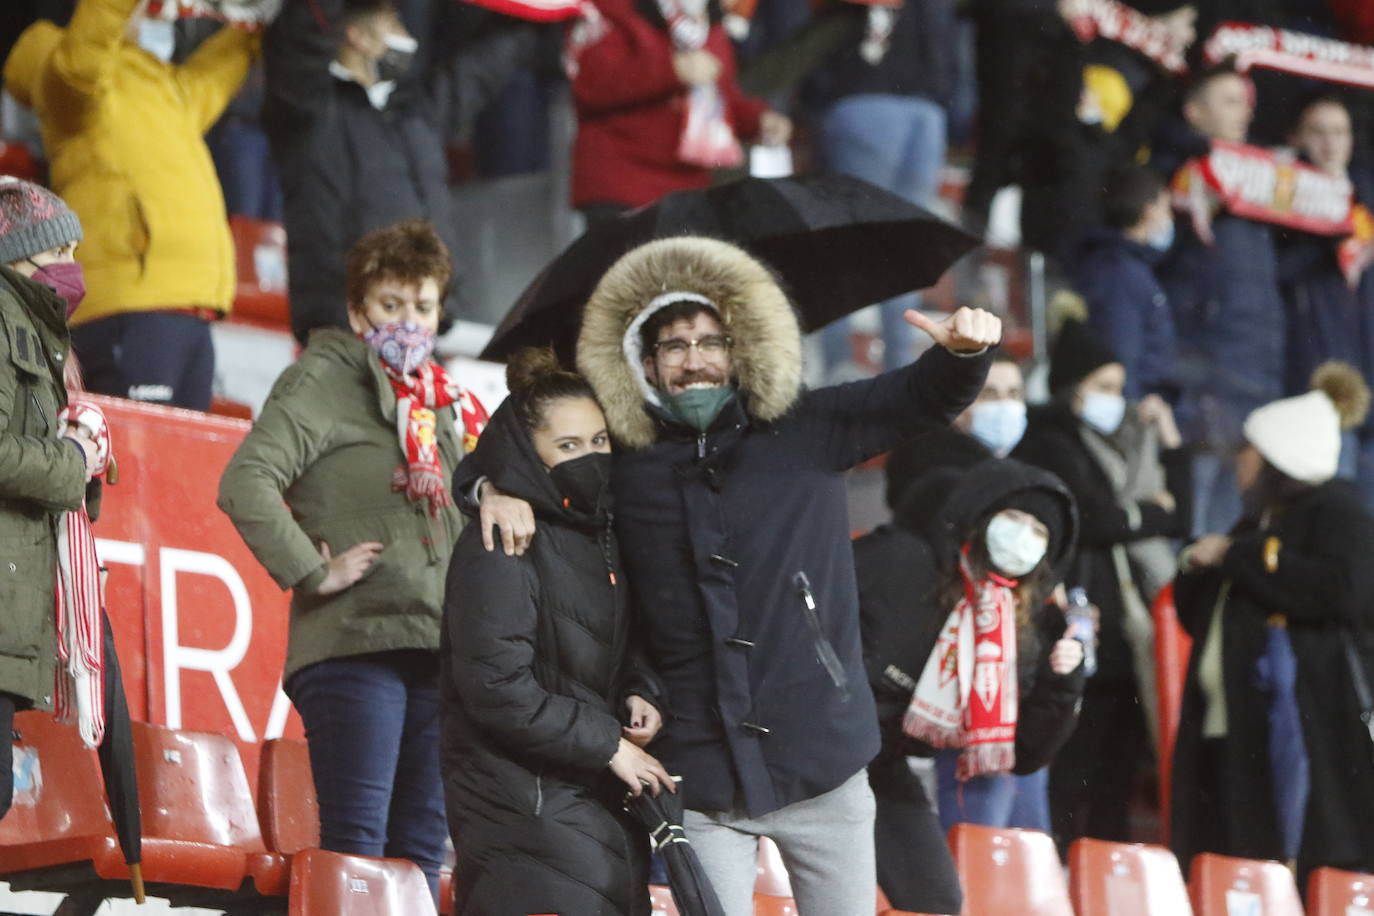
pixel 1051 508
pixel 1077 353
pixel 32 220
pixel 1301 436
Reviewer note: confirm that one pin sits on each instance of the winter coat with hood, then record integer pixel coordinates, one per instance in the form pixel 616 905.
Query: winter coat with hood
pixel 1127 308
pixel 40 477
pixel 316 468
pixel 124 134
pixel 902 569
pixel 737 539
pixel 534 671
pixel 348 167
pixel 631 104
pixel 1324 585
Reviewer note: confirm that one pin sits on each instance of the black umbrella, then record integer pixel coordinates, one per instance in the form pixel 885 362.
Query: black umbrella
pixel 116 753
pixel 838 243
pixel 662 815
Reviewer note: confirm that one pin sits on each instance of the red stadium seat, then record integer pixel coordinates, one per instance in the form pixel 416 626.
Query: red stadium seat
pixel 260 249
pixel 287 808
pixel 1224 886
pixel 334 884
pixel 17 159
pixel 772 880
pixel 1125 879
pixel 661 899
pixel 196 802
pixel 1009 871
pixel 1172 648
pixel 768 905
pixel 1332 892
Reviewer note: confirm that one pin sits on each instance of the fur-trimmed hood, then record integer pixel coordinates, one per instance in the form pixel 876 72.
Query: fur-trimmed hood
pixel 752 306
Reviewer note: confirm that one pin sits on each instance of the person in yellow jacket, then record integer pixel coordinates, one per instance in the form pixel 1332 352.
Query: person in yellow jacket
pixel 124 130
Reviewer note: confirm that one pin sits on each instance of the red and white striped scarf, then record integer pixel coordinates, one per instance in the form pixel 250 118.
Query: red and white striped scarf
pixel 79 682
pixel 418 396
pixel 967 694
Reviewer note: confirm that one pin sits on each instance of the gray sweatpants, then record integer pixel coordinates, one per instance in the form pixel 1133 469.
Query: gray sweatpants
pixel 826 843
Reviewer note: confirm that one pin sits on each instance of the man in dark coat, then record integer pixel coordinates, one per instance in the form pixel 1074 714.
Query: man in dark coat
pixel 1226 304
pixel 1328 317
pixel 731 511
pixel 1114 272
pixel 358 144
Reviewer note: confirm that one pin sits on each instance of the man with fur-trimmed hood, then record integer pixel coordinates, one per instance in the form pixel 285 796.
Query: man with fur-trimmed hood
pixel 733 519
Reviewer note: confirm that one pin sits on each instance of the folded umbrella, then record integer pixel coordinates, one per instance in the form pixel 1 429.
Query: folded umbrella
pixel 662 817
pixel 116 753
pixel 838 244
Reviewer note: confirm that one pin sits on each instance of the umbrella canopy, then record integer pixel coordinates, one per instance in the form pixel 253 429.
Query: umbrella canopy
pixel 838 244
pixel 662 816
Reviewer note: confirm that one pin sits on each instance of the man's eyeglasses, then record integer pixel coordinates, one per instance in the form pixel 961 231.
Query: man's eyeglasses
pixel 673 351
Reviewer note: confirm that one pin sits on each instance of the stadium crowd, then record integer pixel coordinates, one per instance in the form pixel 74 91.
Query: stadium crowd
pixel 636 573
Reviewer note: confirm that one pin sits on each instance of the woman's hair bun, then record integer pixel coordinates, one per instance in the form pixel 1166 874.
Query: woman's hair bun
pixel 1341 382
pixel 528 367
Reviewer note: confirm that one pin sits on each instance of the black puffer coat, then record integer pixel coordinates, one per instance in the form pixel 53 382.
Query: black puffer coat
pixel 534 670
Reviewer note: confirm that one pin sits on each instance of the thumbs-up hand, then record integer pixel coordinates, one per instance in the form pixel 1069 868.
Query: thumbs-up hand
pixel 966 331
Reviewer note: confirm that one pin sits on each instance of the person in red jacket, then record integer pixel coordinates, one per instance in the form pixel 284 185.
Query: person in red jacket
pixel 658 106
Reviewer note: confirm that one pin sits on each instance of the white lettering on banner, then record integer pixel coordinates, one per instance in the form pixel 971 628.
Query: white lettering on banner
pixel 219 662
pixel 124 552
pixel 276 719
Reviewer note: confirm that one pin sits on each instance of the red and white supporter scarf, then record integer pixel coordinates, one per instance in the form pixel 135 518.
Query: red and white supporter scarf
pixel 251 15
pixel 707 139
pixel 1119 23
pixel 967 694
pixel 79 683
pixel 1297 53
pixel 418 396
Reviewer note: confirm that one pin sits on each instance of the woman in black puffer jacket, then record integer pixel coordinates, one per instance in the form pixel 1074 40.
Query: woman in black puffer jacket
pixel 536 676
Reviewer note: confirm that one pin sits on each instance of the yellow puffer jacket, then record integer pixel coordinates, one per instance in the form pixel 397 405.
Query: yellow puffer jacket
pixel 125 137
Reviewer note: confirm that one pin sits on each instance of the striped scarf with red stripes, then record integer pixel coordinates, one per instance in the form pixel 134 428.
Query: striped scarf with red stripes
pixel 79 682
pixel 418 396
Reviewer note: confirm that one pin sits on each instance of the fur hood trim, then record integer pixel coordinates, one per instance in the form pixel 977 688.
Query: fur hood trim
pixel 752 307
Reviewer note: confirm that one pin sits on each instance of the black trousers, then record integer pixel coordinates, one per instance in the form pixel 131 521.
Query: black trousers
pixel 162 357
pixel 915 868
pixel 8 702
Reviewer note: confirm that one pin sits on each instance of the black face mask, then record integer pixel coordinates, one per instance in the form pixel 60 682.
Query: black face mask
pixel 583 481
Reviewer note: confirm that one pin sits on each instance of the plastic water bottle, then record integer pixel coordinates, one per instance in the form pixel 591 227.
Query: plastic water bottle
pixel 1081 627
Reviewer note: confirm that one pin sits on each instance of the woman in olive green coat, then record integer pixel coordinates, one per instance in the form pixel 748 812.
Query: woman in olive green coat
pixel 347 505
pixel 41 476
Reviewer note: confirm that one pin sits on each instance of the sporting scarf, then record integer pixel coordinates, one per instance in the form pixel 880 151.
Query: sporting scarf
pixel 966 696
pixel 707 139
pixel 1296 53
pixel 79 681
pixel 1119 23
pixel 418 396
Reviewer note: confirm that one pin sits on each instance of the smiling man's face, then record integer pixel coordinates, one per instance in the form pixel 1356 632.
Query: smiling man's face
pixel 690 353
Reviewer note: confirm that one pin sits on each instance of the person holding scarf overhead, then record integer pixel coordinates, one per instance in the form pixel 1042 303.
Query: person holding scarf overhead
pixel 657 103
pixel 965 659
pixel 341 492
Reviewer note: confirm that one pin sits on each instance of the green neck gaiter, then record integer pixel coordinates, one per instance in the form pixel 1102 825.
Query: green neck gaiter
pixel 699 407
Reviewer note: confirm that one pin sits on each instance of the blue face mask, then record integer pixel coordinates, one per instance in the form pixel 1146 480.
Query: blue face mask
pixel 999 424
pixel 1163 240
pixel 1103 412
pixel 158 37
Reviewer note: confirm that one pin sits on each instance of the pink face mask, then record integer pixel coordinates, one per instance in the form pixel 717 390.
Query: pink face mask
pixel 65 279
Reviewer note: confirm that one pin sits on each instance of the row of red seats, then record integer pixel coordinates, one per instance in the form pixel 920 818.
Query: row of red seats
pixel 205 842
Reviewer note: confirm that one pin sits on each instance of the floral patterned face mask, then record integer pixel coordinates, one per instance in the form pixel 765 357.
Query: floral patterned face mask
pixel 404 345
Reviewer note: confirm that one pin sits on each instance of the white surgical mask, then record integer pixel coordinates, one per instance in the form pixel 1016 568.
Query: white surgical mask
pixel 998 424
pixel 1104 412
pixel 158 37
pixel 1014 546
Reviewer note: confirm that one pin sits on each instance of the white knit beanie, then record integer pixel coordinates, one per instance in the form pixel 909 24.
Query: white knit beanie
pixel 1300 436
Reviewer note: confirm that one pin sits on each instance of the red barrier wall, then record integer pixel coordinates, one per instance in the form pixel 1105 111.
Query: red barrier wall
pixel 200 627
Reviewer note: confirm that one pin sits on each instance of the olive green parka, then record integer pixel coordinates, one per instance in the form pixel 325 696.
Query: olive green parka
pixel 40 478
pixel 317 468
